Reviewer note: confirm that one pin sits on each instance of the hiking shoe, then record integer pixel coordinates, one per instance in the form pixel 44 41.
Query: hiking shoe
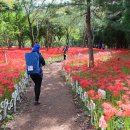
pixel 36 103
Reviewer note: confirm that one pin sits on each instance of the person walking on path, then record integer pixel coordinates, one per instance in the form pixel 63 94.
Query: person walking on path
pixel 65 49
pixel 37 78
pixel 100 44
pixel 57 112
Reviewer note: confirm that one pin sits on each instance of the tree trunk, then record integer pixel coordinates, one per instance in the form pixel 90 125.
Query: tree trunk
pixel 84 39
pixel 19 36
pixel 89 36
pixel 30 24
pixel 19 41
pixel 31 31
pixel 67 36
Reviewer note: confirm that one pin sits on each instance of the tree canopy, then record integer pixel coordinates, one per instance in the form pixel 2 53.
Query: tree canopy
pixel 64 23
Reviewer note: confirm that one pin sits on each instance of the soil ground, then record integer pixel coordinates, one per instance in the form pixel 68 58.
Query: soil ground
pixel 57 110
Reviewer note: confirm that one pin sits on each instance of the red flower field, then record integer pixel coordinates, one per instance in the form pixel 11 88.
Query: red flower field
pixel 107 84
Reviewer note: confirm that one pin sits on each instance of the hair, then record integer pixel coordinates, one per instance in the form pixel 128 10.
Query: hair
pixel 36 41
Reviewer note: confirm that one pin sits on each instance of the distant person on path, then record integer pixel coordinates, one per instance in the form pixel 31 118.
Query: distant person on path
pixel 36 76
pixel 65 49
pixel 101 45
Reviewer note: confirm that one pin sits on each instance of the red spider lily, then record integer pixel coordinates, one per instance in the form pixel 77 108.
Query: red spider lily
pixel 107 105
pixel 91 93
pixel 76 78
pixel 128 82
pixel 125 110
pixel 1 94
pixel 97 96
pixel 116 93
pixel 120 113
pixel 108 111
pixel 126 98
pixel 102 123
pixel 128 92
pixel 119 102
pixel 116 87
pixel 111 73
pixel 86 83
pixel 10 73
pixel 11 88
pixel 1 91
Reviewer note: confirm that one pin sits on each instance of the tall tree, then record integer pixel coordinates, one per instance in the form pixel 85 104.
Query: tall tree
pixel 89 34
pixel 87 4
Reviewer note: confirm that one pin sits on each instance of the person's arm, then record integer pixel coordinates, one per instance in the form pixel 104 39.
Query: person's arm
pixel 42 61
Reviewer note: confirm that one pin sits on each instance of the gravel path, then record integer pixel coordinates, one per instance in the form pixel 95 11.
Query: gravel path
pixel 56 111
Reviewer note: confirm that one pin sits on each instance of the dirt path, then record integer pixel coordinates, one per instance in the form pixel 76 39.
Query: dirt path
pixel 56 111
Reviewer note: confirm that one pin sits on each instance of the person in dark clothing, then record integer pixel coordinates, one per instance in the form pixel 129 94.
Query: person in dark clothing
pixel 37 78
pixel 65 49
pixel 101 44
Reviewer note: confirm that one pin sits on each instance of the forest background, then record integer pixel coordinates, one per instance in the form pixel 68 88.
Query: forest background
pixel 70 22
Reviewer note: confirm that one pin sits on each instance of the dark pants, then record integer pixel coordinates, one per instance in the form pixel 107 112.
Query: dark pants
pixel 64 56
pixel 37 79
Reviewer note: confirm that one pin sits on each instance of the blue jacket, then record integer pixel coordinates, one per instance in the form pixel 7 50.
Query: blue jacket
pixel 36 48
pixel 41 63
